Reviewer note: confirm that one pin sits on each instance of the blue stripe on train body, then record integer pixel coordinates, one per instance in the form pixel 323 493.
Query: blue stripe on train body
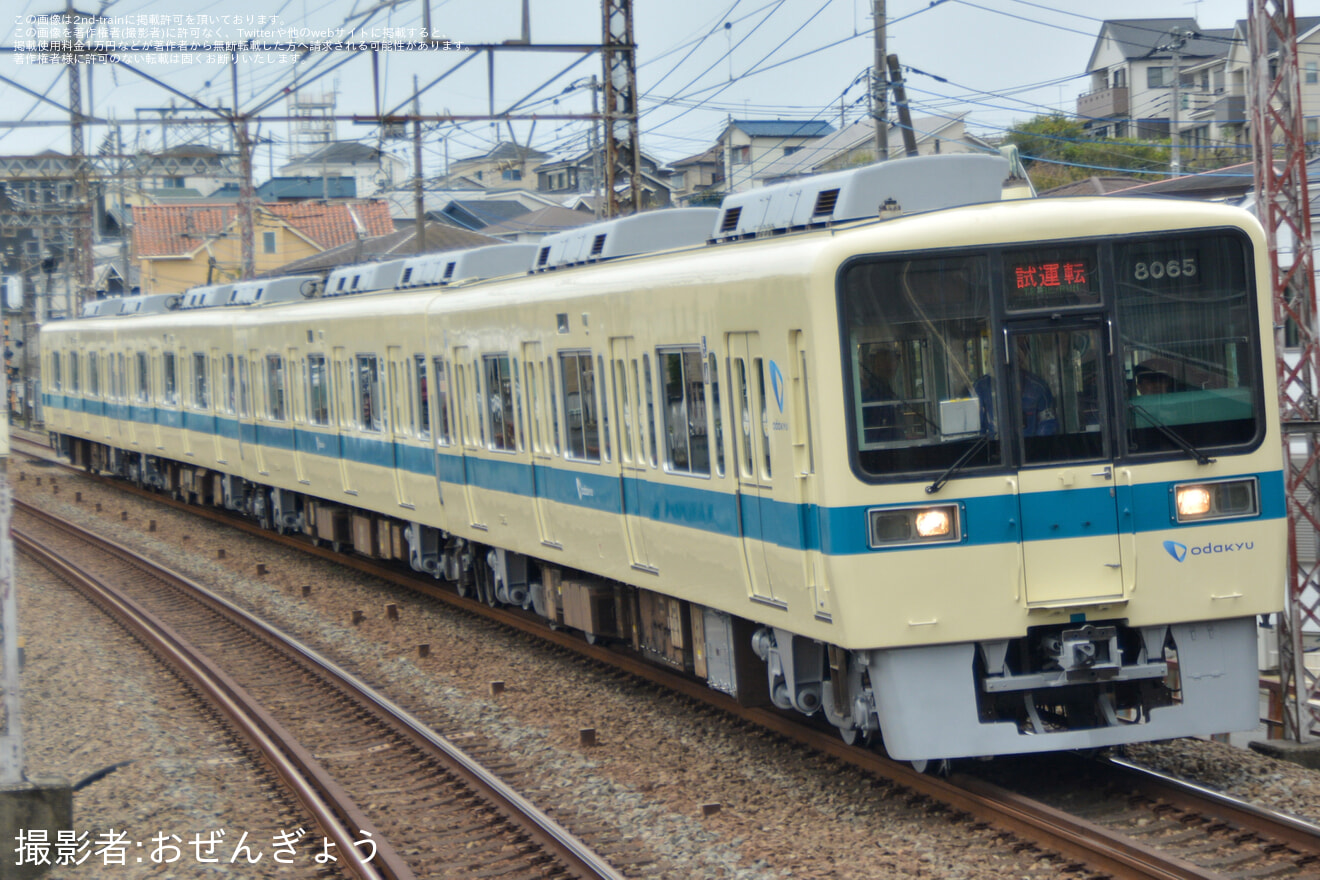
pixel 836 531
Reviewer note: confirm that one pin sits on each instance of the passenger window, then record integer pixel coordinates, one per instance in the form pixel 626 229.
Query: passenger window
pixel 227 379
pixel 275 402
pixel 144 378
pixel 93 375
pixel 717 416
pixel 75 373
pixel 169 375
pixel 554 403
pixel 442 424
pixel 538 413
pixel 604 408
pixel 759 365
pixel 422 412
pixel 55 383
pixel 518 403
pixel 201 383
pixel 624 415
pixel 244 402
pixel 480 408
pixel 368 392
pixel 744 403
pixel 499 403
pixel 580 423
pixel 687 446
pixel 650 406
pixel 318 390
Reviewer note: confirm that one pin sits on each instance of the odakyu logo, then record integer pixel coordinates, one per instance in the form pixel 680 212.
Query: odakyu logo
pixel 777 383
pixel 1182 551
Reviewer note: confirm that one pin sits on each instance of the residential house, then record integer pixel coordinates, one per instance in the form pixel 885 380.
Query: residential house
pixel 181 246
pixel 373 170
pixel 575 175
pixel 506 164
pixel 855 145
pixel 748 145
pixel 699 179
pixel 536 225
pixel 1132 70
pixel 477 214
pixel 301 189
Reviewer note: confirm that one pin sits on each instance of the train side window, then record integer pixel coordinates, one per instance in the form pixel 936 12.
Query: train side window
pixel 518 404
pixel 227 382
pixel 477 402
pixel 744 404
pixel 537 414
pixel 624 415
pixel 758 364
pixel 499 404
pixel 143 378
pixel 169 379
pixel 75 374
pixel 395 415
pixel 650 407
pixel 55 383
pixel 93 374
pixel 716 414
pixel 318 390
pixel 368 392
pixel 275 398
pixel 603 384
pixel 637 399
pixel 244 401
pixel 443 435
pixel 121 378
pixel 201 385
pixel 581 428
pixel 422 412
pixel 554 403
pixel 461 405
pixel 687 445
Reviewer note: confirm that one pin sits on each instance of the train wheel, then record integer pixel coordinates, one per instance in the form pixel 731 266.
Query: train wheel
pixel 933 766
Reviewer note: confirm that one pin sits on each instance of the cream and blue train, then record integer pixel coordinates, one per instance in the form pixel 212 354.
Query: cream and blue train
pixel 966 475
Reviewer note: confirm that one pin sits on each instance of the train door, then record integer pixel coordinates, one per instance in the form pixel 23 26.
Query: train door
pixel 804 471
pixel 343 390
pixel 471 430
pixel 1058 398
pixel 543 456
pixel 631 417
pixel 399 419
pixel 751 430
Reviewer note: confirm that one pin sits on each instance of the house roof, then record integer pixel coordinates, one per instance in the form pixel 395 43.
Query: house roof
pixel 308 188
pixel 708 157
pixel 179 230
pixel 1092 186
pixel 343 152
pixel 439 237
pixel 479 213
pixel 1140 38
pixel 1233 181
pixel 506 151
pixel 789 128
pixel 811 158
pixel 544 221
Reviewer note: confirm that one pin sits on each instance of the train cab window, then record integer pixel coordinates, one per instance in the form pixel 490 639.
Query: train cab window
pixel 318 390
pixel 716 414
pixel 499 405
pixel 169 379
pixel 919 357
pixel 581 425
pixel 687 442
pixel 554 403
pixel 421 412
pixel 1057 395
pixel 56 384
pixel 93 374
pixel 1186 324
pixel 201 384
pixel 604 408
pixel 143 378
pixel 75 373
pixel 443 429
pixel 276 405
pixel 368 396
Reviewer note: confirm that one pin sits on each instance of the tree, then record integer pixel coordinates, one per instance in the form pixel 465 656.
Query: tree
pixel 1056 150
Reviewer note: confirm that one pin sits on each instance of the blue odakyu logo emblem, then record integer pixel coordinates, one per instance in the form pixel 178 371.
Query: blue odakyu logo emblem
pixel 1176 550
pixel 777 383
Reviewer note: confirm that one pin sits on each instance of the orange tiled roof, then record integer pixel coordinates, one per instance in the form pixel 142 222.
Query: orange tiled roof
pixel 179 230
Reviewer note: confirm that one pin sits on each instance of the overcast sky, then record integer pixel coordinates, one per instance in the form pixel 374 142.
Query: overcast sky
pixel 700 64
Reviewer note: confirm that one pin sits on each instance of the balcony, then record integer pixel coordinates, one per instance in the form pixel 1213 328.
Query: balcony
pixel 1224 110
pixel 1103 103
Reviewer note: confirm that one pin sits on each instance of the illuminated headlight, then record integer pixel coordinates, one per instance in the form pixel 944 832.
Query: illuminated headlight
pixel 1223 500
pixel 914 525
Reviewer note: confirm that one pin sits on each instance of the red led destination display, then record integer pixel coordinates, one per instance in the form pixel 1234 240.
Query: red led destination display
pixel 1050 278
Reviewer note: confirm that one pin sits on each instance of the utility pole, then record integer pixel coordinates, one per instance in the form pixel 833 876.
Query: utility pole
pixel 419 202
pixel 595 146
pixel 900 101
pixel 82 226
pixel 246 194
pixel 622 153
pixel 879 86
pixel 1179 40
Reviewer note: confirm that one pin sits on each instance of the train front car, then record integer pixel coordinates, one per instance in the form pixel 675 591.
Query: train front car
pixel 1066 503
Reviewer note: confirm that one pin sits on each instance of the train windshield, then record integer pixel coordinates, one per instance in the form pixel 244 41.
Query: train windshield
pixel 1186 327
pixel 1144 348
pixel 918 333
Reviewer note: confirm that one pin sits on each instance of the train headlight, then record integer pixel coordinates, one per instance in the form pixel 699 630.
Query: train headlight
pixel 1227 499
pixel 895 526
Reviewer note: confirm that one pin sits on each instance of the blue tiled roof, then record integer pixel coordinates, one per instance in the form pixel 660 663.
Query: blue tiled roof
pixel 783 127
pixel 307 188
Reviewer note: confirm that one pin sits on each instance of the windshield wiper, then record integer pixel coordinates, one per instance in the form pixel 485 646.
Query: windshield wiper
pixel 981 442
pixel 1180 440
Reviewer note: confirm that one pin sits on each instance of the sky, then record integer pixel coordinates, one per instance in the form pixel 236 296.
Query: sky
pixel 700 64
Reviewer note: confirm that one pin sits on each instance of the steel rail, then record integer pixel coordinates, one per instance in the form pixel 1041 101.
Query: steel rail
pixel 548 834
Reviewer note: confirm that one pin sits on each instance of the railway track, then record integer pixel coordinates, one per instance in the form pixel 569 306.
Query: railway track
pixel 1133 837
pixel 332 741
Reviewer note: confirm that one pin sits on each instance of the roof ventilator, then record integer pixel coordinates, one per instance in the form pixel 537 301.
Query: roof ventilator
pixel 643 233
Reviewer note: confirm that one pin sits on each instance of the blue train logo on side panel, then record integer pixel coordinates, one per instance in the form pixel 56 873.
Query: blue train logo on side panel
pixel 1176 550
pixel 777 383
pixel 1179 551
